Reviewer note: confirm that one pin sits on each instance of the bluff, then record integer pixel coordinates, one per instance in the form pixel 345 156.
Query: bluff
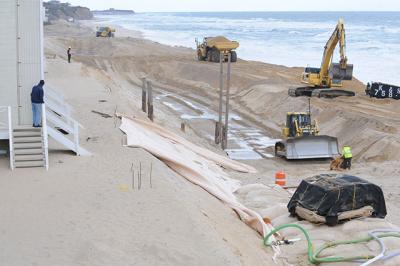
pixel 56 10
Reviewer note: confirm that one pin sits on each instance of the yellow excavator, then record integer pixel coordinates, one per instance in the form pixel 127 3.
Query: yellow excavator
pixel 321 80
pixel 302 139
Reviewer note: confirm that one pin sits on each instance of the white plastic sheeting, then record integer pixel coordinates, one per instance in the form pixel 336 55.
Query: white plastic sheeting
pixel 198 165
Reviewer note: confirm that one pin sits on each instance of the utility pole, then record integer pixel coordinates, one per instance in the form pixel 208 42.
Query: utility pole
pixel 228 85
pixel 218 130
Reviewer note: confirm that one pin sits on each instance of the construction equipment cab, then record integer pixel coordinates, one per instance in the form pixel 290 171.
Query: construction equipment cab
pixel 320 80
pixel 211 47
pixel 302 139
pixel 105 32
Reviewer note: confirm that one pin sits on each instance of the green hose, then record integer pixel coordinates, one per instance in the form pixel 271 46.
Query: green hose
pixel 313 255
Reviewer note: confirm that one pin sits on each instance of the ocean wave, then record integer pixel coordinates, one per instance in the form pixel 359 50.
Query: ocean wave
pixel 281 39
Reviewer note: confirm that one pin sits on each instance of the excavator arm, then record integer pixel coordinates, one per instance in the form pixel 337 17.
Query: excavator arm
pixel 338 36
pixel 320 80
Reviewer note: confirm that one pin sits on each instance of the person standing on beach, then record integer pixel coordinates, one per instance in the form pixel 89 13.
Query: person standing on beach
pixel 37 96
pixel 347 156
pixel 69 54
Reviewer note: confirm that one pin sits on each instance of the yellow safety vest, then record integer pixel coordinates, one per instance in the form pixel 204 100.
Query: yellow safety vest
pixel 347 152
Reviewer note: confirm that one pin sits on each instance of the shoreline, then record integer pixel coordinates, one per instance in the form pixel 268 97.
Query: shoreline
pixel 126 32
pixel 286 63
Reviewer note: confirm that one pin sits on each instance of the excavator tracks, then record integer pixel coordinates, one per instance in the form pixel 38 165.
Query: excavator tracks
pixel 319 93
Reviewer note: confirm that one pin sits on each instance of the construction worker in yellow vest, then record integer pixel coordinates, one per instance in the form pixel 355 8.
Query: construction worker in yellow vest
pixel 347 156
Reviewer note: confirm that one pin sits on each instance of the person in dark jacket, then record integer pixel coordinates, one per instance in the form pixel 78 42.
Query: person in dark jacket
pixel 37 101
pixel 69 54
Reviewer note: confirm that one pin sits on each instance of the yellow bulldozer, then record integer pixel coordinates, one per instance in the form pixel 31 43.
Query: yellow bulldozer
pixel 105 32
pixel 212 47
pixel 302 139
pixel 321 80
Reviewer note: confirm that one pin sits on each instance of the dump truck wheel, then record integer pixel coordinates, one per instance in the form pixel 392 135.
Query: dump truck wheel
pixel 215 56
pixel 233 56
pixel 209 56
pixel 200 57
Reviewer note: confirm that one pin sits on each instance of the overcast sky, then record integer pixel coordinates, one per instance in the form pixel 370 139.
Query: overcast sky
pixel 242 5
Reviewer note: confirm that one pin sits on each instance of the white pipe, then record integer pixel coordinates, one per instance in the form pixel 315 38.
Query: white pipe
pixel 41 32
pixel 381 255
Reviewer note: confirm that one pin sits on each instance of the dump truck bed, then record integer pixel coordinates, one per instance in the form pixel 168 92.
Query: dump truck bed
pixel 222 43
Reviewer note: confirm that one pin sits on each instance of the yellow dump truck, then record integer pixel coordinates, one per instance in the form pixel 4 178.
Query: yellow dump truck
pixel 105 32
pixel 212 47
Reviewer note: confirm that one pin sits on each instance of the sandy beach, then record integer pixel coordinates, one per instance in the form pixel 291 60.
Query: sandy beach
pixel 83 211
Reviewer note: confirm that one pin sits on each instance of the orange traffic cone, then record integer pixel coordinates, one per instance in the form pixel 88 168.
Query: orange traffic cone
pixel 280 178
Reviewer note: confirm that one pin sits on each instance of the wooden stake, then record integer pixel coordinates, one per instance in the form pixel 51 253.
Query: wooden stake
pixel 144 95
pixel 133 180
pixel 150 100
pixel 140 176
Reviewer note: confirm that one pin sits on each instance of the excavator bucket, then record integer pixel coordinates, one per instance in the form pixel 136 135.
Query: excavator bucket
pixel 336 72
pixel 311 147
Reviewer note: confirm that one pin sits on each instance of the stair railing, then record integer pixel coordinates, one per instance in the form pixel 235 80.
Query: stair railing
pixel 6 126
pixel 45 136
pixel 58 114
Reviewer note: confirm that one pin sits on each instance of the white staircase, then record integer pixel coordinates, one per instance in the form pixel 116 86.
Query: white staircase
pixel 59 123
pixel 29 148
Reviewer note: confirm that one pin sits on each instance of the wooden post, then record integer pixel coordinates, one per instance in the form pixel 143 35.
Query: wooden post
pixel 217 131
pixel 150 100
pixel 144 96
pixel 228 85
pixel 221 87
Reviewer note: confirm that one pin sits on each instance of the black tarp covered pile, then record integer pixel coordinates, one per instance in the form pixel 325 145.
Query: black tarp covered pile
pixel 330 195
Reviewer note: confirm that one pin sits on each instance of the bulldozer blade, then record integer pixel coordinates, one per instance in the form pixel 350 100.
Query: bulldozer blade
pixel 311 147
pixel 337 72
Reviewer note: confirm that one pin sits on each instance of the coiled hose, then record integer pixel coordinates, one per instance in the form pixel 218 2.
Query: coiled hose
pixel 313 255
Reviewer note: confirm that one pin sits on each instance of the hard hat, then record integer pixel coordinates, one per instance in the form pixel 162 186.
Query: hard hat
pixel 69 47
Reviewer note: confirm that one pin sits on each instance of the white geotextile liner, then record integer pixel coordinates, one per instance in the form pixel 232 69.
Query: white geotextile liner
pixel 198 165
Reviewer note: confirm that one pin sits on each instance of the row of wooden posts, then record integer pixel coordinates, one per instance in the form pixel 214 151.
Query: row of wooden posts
pixel 147 98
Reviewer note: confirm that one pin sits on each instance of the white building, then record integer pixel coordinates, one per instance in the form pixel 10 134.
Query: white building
pixel 21 64
pixel 21 67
